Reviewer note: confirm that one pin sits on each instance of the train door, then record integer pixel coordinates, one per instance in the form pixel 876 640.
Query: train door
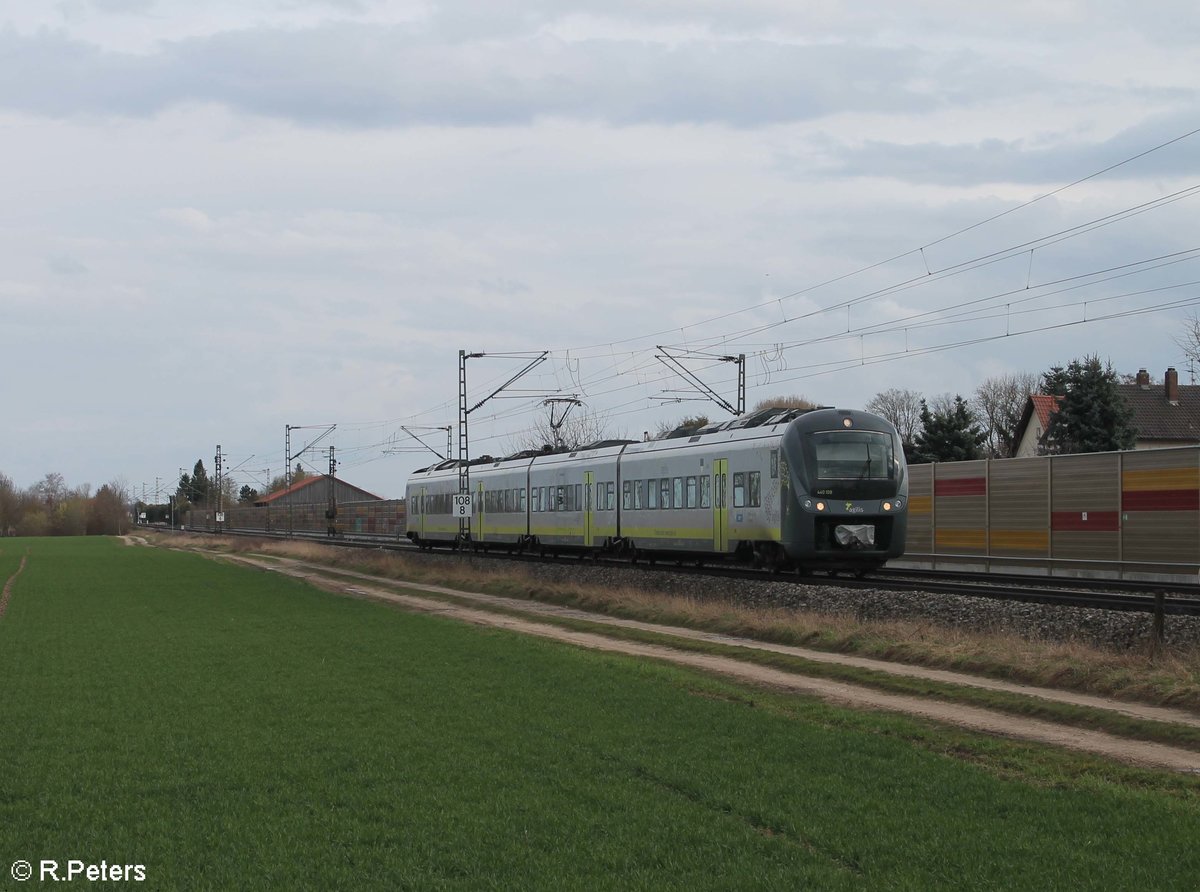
pixel 589 480
pixel 720 505
pixel 480 513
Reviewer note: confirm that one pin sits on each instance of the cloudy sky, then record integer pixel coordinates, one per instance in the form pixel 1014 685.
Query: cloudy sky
pixel 223 218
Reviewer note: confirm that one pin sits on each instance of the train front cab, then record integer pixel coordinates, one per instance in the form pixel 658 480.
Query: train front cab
pixel 848 482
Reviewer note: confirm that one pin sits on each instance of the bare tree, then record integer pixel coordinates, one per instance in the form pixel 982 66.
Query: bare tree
pixel 550 430
pixel 999 402
pixel 688 422
pixel 796 401
pixel 1189 340
pixel 902 408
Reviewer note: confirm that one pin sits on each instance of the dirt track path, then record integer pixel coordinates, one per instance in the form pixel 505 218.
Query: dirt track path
pixel 975 718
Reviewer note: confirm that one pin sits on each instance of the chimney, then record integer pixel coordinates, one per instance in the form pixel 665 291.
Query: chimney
pixel 1143 378
pixel 1172 378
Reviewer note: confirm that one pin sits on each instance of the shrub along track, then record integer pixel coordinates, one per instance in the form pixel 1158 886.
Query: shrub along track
pixel 553 622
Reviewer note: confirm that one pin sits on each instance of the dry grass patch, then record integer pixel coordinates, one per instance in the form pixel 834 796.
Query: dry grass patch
pixel 1169 678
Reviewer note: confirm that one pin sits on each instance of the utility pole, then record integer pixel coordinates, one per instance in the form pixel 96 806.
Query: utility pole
pixel 331 511
pixel 220 483
pixel 672 361
pixel 287 453
pixel 464 461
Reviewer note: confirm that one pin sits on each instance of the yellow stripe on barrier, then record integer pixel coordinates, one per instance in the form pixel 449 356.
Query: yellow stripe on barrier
pixel 960 539
pixel 920 504
pixel 1160 478
pixel 1026 540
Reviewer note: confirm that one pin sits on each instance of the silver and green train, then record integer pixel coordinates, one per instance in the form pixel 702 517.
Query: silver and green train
pixel 806 489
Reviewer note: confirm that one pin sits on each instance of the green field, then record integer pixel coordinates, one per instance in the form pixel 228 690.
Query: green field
pixel 230 729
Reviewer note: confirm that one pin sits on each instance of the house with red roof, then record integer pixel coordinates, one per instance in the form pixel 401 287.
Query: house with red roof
pixel 1166 414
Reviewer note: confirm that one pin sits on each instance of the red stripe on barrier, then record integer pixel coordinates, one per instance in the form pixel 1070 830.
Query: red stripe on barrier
pixel 1161 500
pixel 1074 522
pixel 967 486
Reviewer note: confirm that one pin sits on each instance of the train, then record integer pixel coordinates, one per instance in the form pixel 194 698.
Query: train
pixel 1133 514
pixel 804 489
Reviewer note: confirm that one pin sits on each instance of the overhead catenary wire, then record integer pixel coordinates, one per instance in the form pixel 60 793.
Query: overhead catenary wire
pixel 609 377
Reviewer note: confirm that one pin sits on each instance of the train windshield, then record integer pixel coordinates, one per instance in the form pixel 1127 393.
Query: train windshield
pixel 854 455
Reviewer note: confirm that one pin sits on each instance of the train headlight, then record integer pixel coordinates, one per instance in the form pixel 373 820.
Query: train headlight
pixel 846 422
pixel 887 506
pixel 820 506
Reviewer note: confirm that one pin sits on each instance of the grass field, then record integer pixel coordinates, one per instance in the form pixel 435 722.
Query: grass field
pixel 232 729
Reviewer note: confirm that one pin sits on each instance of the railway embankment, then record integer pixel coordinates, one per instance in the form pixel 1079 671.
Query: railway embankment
pixel 1120 629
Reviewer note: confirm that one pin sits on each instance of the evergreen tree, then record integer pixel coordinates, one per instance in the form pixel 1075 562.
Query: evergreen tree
pixel 247 494
pixel 1091 415
pixel 199 485
pixel 949 434
pixel 1054 382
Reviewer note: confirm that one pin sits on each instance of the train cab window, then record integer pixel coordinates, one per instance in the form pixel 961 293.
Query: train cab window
pixel 854 455
pixel 639 487
pixel 677 502
pixel 689 493
pixel 739 490
pixel 610 490
pixel 755 489
pixel 705 492
pixel 651 493
pixel 774 464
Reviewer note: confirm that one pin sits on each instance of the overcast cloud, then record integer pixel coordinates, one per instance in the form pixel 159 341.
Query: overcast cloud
pixel 227 217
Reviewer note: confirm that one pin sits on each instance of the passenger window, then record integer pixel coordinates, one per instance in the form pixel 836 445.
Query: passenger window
pixel 578 496
pixel 705 492
pixel 599 496
pixel 755 489
pixel 739 490
pixel 664 492
pixel 610 489
pixel 678 500
pixel 639 487
pixel 651 493
pixel 521 500
pixel 690 493
pixel 626 494
pixel 560 501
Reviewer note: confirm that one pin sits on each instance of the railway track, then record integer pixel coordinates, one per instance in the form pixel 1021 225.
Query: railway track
pixel 1107 594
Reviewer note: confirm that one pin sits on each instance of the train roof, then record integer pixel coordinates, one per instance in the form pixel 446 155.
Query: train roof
pixel 763 423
